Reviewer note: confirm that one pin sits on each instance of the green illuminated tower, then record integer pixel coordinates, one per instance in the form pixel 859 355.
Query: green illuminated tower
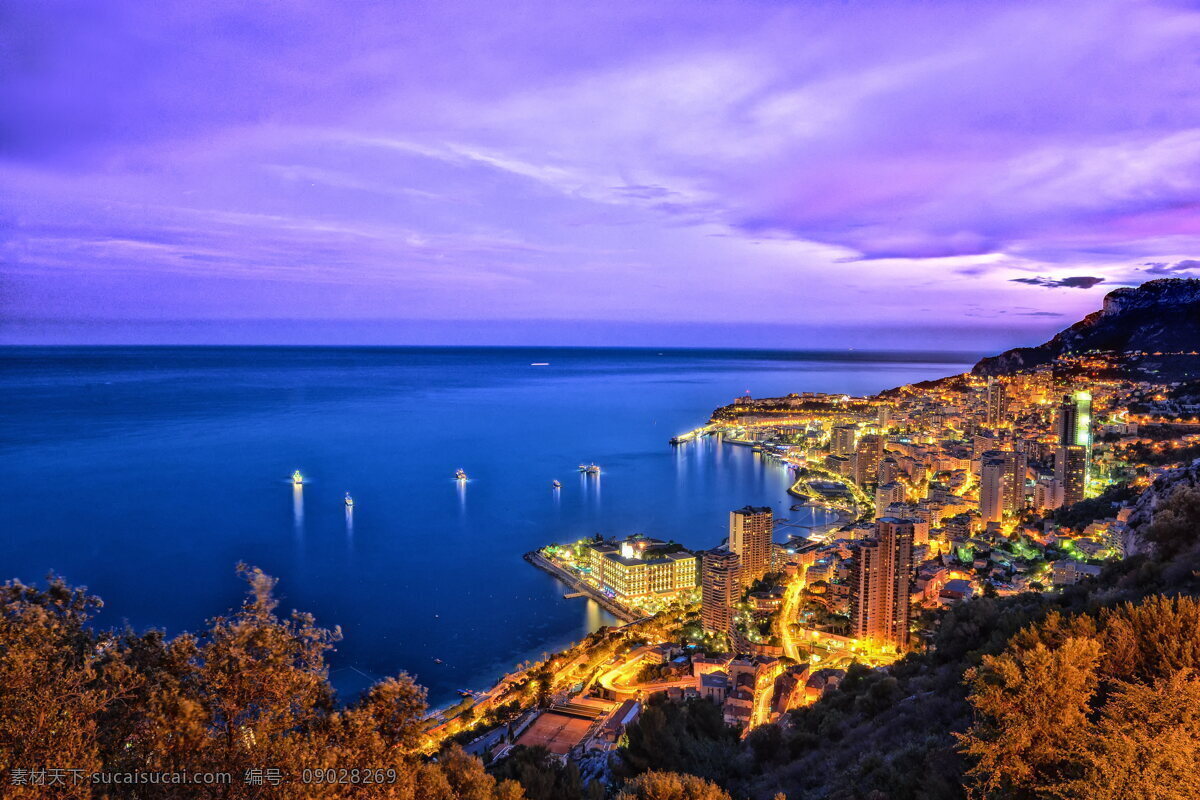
pixel 1074 429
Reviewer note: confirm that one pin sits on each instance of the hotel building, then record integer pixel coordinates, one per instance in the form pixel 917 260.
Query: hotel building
pixel 640 568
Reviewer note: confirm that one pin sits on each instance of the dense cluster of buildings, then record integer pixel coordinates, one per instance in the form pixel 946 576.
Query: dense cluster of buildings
pixel 954 484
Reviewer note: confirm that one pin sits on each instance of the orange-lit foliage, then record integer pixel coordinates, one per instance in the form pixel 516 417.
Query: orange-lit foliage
pixel 1094 708
pixel 250 693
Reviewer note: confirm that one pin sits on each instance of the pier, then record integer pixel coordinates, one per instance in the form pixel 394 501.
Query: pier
pixel 581 589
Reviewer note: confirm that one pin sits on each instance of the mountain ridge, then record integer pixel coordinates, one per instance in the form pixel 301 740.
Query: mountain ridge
pixel 1159 315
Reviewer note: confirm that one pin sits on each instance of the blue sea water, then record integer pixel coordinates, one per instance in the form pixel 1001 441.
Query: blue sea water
pixel 147 474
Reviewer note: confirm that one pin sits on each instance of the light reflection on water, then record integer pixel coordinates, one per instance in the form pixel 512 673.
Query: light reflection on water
pixel 298 509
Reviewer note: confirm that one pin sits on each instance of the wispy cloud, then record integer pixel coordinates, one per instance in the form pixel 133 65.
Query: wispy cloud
pixel 1163 268
pixel 1078 282
pixel 658 159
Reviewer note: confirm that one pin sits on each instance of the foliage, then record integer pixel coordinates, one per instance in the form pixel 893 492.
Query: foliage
pixel 250 693
pixel 689 737
pixel 1094 706
pixel 1079 515
pixel 670 786
pixel 542 776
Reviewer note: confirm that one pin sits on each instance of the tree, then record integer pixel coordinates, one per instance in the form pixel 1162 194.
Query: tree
pixel 1031 708
pixel 1146 745
pixel 251 692
pixel 53 680
pixel 1091 706
pixel 671 786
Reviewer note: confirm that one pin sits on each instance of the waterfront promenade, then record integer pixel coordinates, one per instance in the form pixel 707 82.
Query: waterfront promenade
pixel 577 585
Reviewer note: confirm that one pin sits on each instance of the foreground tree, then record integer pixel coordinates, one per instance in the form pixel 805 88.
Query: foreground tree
pixel 1100 707
pixel 249 698
pixel 671 786
pixel 56 680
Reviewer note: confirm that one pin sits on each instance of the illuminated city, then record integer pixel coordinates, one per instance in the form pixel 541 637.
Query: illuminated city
pixel 635 400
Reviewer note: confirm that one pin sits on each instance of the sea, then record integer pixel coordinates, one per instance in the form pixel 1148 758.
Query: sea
pixel 147 474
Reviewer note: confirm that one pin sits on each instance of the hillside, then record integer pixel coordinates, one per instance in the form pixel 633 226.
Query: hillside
pixel 1161 315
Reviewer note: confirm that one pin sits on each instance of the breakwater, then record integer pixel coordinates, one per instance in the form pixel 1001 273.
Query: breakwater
pixel 582 588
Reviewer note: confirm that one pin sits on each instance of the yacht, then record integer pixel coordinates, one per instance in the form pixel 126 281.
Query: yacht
pixel 556 484
pixel 297 478
pixel 460 475
pixel 592 469
pixel 349 501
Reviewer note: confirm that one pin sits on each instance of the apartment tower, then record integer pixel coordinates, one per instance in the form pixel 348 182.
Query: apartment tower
pixel 880 583
pixel 720 587
pixel 750 531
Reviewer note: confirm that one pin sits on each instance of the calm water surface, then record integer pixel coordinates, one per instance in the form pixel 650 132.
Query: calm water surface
pixel 147 474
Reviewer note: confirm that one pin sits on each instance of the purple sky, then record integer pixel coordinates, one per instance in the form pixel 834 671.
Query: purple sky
pixel 840 174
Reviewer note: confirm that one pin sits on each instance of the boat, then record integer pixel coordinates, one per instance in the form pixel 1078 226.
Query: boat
pixel 459 474
pixel 592 469
pixel 297 478
pixel 556 484
pixel 349 501
pixel 438 661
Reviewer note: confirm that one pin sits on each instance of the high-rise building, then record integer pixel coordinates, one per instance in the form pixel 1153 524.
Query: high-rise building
pixel 1047 494
pixel 720 584
pixel 1074 422
pixel 843 440
pixel 887 494
pixel 1001 484
pixel 1070 470
pixel 1074 429
pixel 889 470
pixel 840 465
pixel 880 582
pixel 997 402
pixel 867 455
pixel 750 530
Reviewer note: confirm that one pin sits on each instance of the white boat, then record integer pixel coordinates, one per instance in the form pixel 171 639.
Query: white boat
pixel 556 484
pixel 593 469
pixel 297 478
pixel 349 501
pixel 459 474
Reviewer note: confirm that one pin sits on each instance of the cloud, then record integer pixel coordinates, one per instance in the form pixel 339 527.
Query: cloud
pixel 1163 268
pixel 1081 282
pixel 682 159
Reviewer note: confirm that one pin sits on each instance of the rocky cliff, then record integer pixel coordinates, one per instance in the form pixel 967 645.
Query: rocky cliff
pixel 1162 315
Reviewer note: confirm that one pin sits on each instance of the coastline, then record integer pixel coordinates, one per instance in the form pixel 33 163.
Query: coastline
pixel 573 583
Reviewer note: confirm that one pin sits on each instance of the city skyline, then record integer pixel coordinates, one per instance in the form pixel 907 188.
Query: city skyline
pixel 667 174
